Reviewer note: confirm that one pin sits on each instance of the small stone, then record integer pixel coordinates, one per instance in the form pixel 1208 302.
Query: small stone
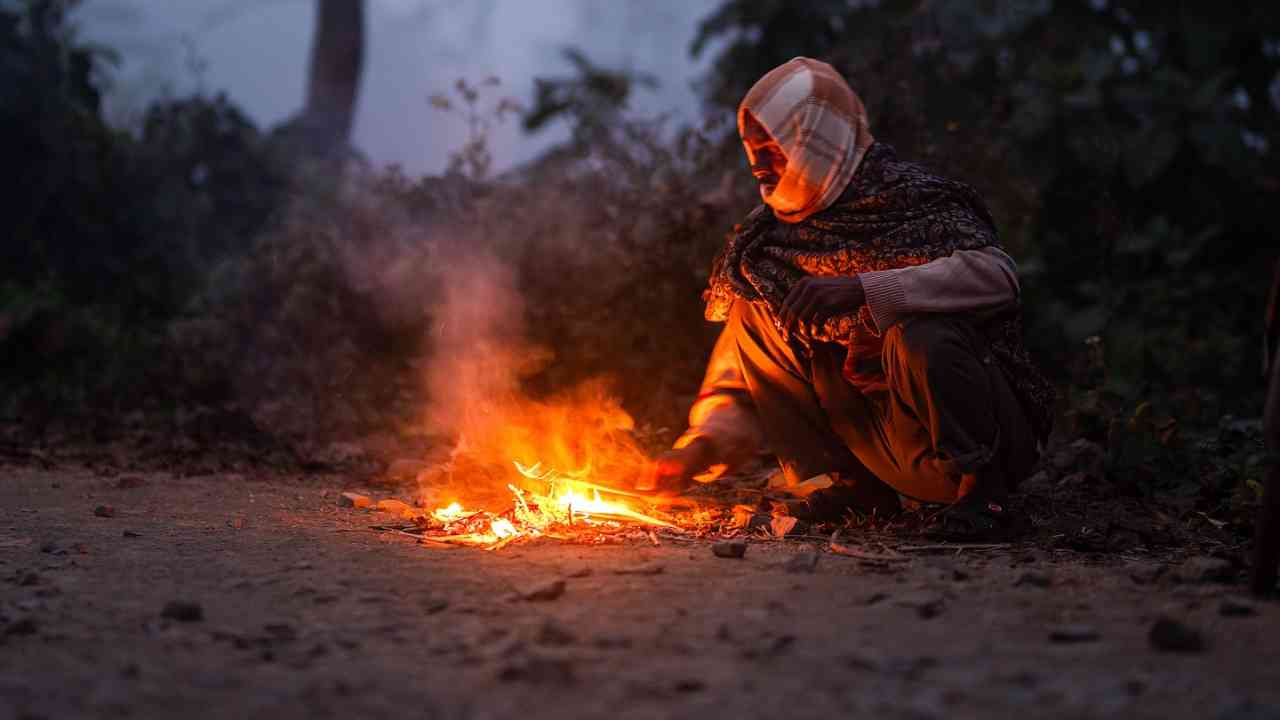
pixel 25 626
pixel 860 661
pixel 555 633
pixel 802 562
pixel 579 572
pixel 649 568
pixel 729 549
pixel 183 611
pixel 1250 710
pixel 131 534
pixel 1205 570
pixel 433 605
pixel 1067 634
pixel 130 482
pixel 354 500
pixel 927 605
pixel 1237 607
pixel 1033 579
pixel 539 670
pixel 1171 635
pixel 1145 573
pixel 769 647
pixel 50 547
pixel 959 575
pixel 104 511
pixel 690 685
pixel 395 507
pixel 544 592
pixel 612 642
pixel 282 632
pixel 29 579
pixel 236 523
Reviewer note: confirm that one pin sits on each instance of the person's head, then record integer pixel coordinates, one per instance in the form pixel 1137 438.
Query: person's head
pixel 805 131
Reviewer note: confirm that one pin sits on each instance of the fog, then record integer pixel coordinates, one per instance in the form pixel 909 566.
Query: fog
pixel 256 52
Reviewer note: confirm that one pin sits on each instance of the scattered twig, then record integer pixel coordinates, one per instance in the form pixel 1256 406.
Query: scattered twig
pixel 847 551
pixel 954 546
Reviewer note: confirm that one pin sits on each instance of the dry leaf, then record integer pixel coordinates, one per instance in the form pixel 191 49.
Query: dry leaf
pixel 782 525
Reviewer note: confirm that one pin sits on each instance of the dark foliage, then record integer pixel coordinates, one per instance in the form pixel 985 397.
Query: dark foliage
pixel 1127 149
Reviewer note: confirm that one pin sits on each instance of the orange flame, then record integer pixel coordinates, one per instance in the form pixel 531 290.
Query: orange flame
pixel 567 502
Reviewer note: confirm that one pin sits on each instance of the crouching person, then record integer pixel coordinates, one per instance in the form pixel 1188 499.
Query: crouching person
pixel 872 326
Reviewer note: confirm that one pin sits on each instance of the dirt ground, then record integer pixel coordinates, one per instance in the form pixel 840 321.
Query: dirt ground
pixel 300 609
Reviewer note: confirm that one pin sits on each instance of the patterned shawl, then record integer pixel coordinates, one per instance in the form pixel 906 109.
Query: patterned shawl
pixel 892 214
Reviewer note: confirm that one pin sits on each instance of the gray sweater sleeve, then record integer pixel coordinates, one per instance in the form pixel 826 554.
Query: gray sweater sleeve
pixel 965 281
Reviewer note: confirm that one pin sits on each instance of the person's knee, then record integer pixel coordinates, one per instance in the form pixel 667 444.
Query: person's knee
pixel 751 316
pixel 924 343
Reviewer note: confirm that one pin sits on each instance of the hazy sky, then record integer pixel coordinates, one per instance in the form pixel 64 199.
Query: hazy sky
pixel 257 50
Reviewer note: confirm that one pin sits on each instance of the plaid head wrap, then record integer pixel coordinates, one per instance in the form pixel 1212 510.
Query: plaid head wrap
pixel 821 126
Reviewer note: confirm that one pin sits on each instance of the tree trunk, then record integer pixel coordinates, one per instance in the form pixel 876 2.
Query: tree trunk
pixel 337 56
pixel 1266 542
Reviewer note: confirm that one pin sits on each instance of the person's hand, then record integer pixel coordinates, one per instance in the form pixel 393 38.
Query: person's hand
pixel 674 470
pixel 814 300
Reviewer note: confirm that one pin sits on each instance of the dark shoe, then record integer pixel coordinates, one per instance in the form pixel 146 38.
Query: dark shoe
pixel 834 503
pixel 977 521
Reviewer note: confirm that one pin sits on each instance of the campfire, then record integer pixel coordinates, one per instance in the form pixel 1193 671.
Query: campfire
pixel 524 467
pixel 569 508
pixel 557 468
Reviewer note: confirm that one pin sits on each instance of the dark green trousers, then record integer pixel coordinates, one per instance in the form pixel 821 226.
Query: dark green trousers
pixel 944 409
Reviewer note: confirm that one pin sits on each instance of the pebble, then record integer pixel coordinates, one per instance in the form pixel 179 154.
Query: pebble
pixel 612 642
pixel 1205 570
pixel 649 568
pixel 802 562
pixel 1034 579
pixel 354 500
pixel 690 685
pixel 1237 607
pixel 1250 710
pixel 183 611
pixel 555 633
pixel 544 592
pixel 1169 635
pixel 25 626
pixel 539 670
pixel 104 511
pixel 729 549
pixel 1066 634
pixel 927 605
pixel 129 482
